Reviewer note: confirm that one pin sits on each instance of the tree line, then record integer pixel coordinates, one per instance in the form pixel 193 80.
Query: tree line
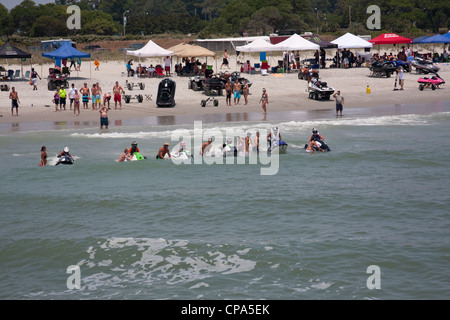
pixel 219 18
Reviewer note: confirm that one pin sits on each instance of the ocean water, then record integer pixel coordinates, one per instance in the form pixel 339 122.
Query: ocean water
pixel 158 230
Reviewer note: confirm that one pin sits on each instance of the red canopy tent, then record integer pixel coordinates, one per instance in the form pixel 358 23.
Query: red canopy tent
pixel 390 38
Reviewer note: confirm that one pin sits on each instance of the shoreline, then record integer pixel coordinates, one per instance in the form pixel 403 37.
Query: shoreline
pixel 277 116
pixel 288 99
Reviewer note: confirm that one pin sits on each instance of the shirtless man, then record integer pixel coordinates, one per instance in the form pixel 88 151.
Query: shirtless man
pixel 106 99
pixel 206 146
pixel 163 151
pixel 94 96
pixel 103 117
pixel 98 96
pixel 228 91
pixel 118 91
pixel 85 96
pixel 237 92
pixel 14 96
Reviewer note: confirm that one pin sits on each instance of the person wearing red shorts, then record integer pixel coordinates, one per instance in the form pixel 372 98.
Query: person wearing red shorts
pixel 118 91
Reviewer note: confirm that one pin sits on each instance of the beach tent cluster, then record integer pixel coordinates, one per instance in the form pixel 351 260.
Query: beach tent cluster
pixel 8 51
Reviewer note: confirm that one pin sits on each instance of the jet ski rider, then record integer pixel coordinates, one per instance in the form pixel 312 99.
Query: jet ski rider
pixel 273 136
pixel 134 148
pixel 316 136
pixel 230 145
pixel 65 153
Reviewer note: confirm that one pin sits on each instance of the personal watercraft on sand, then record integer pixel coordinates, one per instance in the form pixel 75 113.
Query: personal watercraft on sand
pixel 319 89
pixel 166 93
pixel 382 68
pixel 433 82
pixel 424 66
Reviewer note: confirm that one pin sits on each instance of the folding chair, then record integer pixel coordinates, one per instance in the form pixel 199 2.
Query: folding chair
pixel 27 74
pixel 17 74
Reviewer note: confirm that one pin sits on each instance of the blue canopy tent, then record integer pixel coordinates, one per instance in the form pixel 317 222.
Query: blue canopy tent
pixel 438 38
pixel 66 51
pixel 419 39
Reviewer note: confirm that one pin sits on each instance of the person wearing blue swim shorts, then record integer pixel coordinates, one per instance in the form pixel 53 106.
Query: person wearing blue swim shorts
pixel 237 92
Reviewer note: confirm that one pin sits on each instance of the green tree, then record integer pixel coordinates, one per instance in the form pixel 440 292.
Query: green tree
pixel 23 16
pixel 6 22
pixel 48 26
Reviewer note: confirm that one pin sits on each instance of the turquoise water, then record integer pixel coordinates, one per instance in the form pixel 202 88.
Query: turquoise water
pixel 157 230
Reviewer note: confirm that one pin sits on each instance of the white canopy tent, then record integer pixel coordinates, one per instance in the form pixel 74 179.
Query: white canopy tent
pixel 350 41
pixel 151 49
pixel 296 43
pixel 258 45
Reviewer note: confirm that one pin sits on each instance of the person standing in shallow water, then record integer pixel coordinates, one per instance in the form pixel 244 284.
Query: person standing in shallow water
pixel 14 96
pixel 43 156
pixel 264 100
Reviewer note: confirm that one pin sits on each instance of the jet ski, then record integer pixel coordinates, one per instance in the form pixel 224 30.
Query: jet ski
pixel 434 82
pixel 182 155
pixel 278 146
pixel 166 93
pixel 319 89
pixel 382 68
pixel 424 66
pixel 319 147
pixel 137 156
pixel 64 159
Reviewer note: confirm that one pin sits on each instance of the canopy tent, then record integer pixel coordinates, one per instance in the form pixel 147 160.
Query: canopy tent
pixel 438 38
pixel 390 38
pixel 419 39
pixel 350 41
pixel 8 51
pixel 151 49
pixel 192 50
pixel 314 38
pixel 66 51
pixel 296 43
pixel 258 45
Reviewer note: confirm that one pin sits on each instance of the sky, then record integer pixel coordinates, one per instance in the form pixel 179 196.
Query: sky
pixel 9 4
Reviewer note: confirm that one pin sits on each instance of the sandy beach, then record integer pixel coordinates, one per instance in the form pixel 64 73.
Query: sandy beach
pixel 286 93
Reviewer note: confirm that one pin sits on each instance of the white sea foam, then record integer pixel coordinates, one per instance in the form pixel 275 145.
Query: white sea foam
pixel 392 120
pixel 151 262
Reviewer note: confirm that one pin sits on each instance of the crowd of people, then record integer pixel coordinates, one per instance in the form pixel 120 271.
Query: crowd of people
pixel 151 71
